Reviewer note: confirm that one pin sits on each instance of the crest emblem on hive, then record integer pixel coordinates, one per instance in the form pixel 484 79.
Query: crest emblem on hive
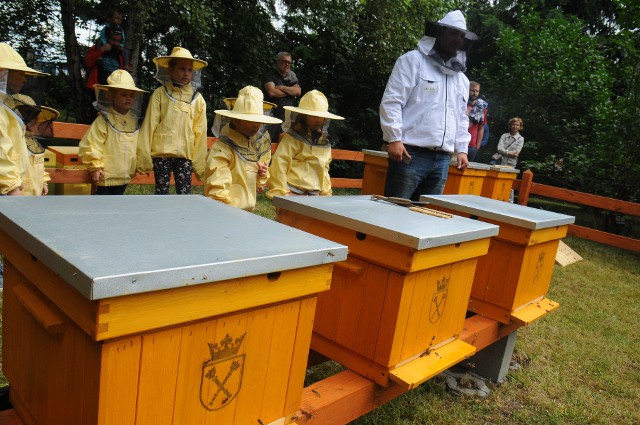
pixel 438 300
pixel 221 379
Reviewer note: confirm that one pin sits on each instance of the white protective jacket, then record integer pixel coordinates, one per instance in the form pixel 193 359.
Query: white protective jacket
pixel 425 104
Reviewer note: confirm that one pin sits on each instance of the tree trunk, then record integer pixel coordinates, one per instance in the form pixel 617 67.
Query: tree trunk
pixel 72 50
pixel 134 32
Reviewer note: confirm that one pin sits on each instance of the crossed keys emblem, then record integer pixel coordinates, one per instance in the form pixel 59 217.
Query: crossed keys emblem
pixel 438 300
pixel 222 374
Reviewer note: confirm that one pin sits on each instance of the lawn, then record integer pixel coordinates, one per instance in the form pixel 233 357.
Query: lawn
pixel 580 364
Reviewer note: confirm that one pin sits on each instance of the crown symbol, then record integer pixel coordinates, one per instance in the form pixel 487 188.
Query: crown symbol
pixel 226 348
pixel 443 284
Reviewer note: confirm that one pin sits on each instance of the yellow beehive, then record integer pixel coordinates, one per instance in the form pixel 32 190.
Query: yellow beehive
pixel 468 181
pixel 221 339
pixel 67 157
pixel 511 282
pixel 397 305
pixel 375 172
pixel 499 182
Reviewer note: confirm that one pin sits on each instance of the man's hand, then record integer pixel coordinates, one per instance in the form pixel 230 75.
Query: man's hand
pixel 463 161
pixel 396 151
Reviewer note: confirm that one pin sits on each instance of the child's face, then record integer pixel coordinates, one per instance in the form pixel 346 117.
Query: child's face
pixel 246 128
pixel 15 81
pixel 181 71
pixel 122 100
pixel 515 127
pixel 314 123
pixel 115 19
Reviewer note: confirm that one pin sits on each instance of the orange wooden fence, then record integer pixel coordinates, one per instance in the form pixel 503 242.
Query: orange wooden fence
pixel 75 132
pixel 526 187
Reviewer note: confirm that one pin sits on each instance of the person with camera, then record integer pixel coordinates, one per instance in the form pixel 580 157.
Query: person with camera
pixel 102 59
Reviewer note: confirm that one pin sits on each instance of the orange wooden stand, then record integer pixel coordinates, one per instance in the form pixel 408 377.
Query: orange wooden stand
pixel 498 183
pixel 375 172
pixel 226 352
pixel 465 182
pixel 393 313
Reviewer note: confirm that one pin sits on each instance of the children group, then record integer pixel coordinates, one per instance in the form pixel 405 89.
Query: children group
pixel 172 138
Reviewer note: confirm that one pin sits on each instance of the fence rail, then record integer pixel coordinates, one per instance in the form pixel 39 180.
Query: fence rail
pixel 526 187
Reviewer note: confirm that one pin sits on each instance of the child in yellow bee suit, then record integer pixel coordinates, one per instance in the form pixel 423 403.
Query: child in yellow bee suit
pixel 300 165
pixel 109 147
pixel 39 127
pixel 14 155
pixel 174 132
pixel 237 165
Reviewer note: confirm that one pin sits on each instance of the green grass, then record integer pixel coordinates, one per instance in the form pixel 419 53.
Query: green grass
pixel 581 362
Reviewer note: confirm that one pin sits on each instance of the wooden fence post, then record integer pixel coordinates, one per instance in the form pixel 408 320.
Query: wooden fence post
pixel 525 187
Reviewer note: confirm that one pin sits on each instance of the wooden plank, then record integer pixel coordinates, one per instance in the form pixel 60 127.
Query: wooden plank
pixel 417 371
pixel 566 255
pixel 259 330
pixel 138 312
pixel 10 417
pixel 525 187
pixel 481 331
pixel 158 375
pixel 65 130
pixel 64 175
pixel 605 238
pixel 341 399
pixel 622 207
pixel 279 358
pixel 534 311
pixel 235 327
pixel 347 155
pixel 300 354
pixel 346 183
pixel 119 381
pixel 194 351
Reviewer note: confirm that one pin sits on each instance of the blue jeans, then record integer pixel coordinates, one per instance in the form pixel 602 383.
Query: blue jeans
pixel 426 174
pixel 472 155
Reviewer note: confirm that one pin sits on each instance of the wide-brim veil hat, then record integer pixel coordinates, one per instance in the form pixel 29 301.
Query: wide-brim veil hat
pixel 119 79
pixel 455 20
pixel 266 106
pixel 10 59
pixel 314 103
pixel 179 53
pixel 249 106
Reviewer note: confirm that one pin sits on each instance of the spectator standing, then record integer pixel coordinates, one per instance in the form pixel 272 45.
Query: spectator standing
pixel 510 144
pixel 101 60
pixel 282 88
pixel 477 111
pixel 423 110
